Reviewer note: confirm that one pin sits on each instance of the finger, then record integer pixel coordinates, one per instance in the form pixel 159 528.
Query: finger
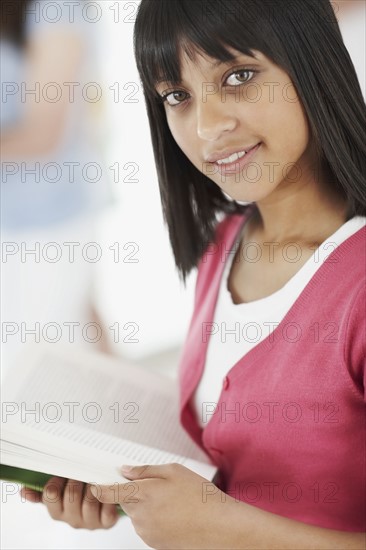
pixel 122 493
pixel 30 495
pixel 146 471
pixel 52 496
pixel 108 515
pixel 90 509
pixel 72 501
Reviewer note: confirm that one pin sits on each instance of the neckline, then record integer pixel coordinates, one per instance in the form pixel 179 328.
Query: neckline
pixel 304 269
pixel 232 225
pixel 319 276
pixel 272 339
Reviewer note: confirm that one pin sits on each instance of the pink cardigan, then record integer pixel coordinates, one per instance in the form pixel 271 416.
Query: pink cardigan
pixel 288 432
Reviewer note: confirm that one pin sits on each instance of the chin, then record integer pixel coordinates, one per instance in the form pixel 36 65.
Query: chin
pixel 249 197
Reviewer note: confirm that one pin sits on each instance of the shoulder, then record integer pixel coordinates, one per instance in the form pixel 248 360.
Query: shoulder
pixel 355 337
pixel 224 235
pixel 226 230
pixel 216 251
pixel 352 281
pixel 351 259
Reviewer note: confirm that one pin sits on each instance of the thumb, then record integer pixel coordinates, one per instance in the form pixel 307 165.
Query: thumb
pixel 143 471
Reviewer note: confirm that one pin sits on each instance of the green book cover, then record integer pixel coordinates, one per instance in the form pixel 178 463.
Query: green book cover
pixel 30 479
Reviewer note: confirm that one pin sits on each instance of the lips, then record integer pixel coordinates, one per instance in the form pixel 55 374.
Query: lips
pixel 214 157
pixel 237 166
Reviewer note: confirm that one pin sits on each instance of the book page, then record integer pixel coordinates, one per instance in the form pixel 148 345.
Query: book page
pixel 99 393
pixel 80 453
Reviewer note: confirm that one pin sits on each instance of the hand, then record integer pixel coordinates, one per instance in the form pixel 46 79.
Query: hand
pixel 72 501
pixel 172 507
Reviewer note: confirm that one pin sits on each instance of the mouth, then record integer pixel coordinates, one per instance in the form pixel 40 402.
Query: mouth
pixel 236 162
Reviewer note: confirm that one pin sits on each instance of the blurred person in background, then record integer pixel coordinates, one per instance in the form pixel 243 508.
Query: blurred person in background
pixel 53 182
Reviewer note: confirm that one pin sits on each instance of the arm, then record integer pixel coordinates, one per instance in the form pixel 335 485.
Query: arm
pixel 52 56
pixel 170 498
pixel 253 528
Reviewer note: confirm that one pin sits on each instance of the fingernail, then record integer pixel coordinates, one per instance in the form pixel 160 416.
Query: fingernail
pixel 93 490
pixel 126 468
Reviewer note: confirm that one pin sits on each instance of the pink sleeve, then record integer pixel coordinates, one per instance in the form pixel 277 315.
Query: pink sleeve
pixel 355 344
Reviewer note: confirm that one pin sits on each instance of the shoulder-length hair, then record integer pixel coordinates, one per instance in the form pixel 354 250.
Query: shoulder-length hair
pixel 300 36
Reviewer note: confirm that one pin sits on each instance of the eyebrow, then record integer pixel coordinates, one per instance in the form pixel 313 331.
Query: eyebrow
pixel 215 65
pixel 219 63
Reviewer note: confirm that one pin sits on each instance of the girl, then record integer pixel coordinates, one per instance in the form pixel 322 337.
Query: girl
pixel 257 123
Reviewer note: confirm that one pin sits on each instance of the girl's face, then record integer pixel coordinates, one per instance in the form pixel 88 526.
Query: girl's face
pixel 227 108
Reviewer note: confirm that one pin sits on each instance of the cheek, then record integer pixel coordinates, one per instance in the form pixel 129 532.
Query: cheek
pixel 290 126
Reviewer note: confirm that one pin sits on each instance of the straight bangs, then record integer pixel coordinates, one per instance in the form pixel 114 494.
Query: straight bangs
pixel 197 27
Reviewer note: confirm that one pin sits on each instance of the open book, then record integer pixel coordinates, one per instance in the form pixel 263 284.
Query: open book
pixel 81 415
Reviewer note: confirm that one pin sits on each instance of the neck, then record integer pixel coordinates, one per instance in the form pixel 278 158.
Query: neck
pixel 308 212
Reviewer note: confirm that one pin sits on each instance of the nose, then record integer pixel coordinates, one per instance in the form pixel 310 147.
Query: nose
pixel 214 117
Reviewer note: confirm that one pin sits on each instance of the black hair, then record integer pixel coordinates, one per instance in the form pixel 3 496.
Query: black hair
pixel 12 17
pixel 300 36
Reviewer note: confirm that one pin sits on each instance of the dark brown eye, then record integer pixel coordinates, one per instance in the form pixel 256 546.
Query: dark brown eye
pixel 239 75
pixel 177 95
